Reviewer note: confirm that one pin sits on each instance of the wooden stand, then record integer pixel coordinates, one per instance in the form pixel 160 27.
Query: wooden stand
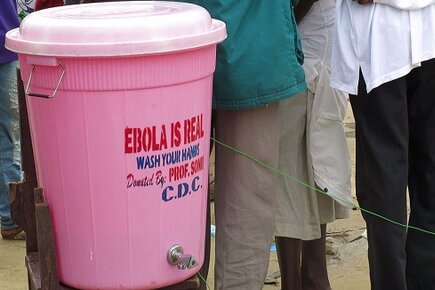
pixel 31 213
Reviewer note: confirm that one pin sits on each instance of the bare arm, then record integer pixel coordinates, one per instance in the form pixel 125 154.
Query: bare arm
pixel 302 9
pixel 365 2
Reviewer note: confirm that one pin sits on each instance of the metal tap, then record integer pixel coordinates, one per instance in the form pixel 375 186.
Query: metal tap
pixel 177 258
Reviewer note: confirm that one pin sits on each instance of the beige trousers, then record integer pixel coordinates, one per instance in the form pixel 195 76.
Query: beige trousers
pixel 245 201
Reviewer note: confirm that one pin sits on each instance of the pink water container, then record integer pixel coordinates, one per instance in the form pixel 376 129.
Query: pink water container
pixel 119 103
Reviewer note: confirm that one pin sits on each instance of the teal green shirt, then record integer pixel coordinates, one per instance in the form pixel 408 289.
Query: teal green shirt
pixel 260 61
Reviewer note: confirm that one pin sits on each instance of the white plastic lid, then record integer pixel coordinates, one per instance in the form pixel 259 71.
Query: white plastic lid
pixel 115 29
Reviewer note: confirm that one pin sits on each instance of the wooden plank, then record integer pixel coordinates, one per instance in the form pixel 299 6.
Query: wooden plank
pixel 34 270
pixel 21 194
pixel 189 284
pixel 46 247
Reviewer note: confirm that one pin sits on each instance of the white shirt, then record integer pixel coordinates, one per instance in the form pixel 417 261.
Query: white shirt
pixel 326 138
pixel 385 40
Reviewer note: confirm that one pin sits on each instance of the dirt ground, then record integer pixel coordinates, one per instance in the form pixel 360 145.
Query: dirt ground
pixel 346 250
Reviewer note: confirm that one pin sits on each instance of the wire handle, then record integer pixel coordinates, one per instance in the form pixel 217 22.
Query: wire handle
pixel 45 96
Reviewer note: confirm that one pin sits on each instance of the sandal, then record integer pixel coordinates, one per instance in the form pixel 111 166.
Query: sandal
pixel 13 234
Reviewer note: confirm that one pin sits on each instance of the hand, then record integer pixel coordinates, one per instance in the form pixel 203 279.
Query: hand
pixel 362 2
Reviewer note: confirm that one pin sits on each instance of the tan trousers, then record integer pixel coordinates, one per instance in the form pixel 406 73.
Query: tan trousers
pixel 245 201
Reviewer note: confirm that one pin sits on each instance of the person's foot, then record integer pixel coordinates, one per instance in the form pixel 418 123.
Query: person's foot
pixel 13 234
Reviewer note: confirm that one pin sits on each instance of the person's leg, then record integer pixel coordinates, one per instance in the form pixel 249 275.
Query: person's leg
pixel 245 196
pixel 420 252
pixel 314 273
pixel 9 144
pixel 381 177
pixel 289 260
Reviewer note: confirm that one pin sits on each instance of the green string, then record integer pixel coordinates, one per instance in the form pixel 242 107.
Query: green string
pixel 203 280
pixel 344 201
